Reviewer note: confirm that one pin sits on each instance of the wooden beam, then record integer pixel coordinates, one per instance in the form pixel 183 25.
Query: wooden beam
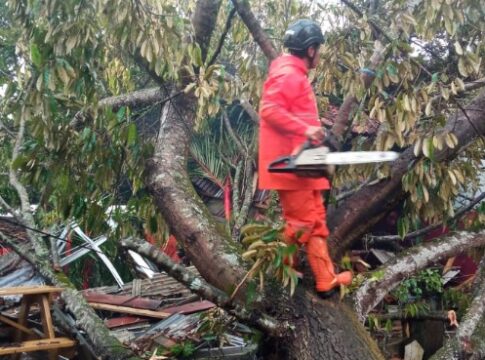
pixel 14 324
pixel 129 310
pixel 37 345
pixel 29 290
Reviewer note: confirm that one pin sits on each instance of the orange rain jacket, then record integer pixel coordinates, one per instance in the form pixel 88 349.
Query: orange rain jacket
pixel 288 107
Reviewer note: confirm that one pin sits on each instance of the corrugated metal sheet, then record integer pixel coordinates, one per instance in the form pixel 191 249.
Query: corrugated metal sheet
pixel 161 287
pixel 14 271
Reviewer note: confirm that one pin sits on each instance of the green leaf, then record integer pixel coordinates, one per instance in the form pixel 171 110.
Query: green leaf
pixel 35 55
pixel 435 77
pixel 132 134
pixel 391 69
pixel 270 236
pixel 402 227
pixel 120 114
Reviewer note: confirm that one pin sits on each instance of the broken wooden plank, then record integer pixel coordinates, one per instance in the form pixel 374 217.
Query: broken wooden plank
pixel 29 290
pixel 122 300
pixel 190 307
pixel 16 325
pixel 37 345
pixel 129 310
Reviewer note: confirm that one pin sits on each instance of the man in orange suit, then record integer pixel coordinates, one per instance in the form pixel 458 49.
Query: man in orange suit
pixel 289 117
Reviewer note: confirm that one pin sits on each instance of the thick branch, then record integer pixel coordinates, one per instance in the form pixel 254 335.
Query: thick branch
pixel 173 193
pixel 204 289
pixel 204 21
pixel 401 315
pixel 363 209
pixel 475 313
pixel 372 292
pixel 247 16
pixel 344 116
pixel 136 98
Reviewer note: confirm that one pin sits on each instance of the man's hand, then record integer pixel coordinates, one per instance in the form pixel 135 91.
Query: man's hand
pixel 315 133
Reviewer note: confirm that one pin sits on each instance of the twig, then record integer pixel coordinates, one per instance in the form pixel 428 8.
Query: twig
pixel 378 29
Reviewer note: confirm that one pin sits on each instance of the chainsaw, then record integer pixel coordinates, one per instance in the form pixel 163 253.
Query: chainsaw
pixel 317 157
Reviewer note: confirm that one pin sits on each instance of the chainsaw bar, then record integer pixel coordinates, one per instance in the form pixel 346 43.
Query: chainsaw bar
pixel 318 158
pixel 322 156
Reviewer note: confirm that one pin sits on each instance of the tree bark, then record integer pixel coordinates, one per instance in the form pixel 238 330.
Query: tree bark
pixel 325 330
pixel 245 13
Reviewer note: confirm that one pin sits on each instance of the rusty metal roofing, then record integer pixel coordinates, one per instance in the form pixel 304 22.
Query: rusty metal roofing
pixel 161 287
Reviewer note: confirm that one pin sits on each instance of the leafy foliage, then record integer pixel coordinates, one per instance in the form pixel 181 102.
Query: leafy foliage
pixel 269 254
pixel 426 283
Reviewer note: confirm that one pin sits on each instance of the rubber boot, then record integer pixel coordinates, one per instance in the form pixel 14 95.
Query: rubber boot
pixel 326 281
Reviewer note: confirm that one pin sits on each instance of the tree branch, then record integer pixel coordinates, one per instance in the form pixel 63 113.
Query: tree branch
pixel 384 196
pixel 475 313
pixel 371 292
pixel 223 37
pixel 429 228
pixel 234 136
pixel 253 114
pixel 204 289
pixel 247 16
pixel 204 23
pixel 14 181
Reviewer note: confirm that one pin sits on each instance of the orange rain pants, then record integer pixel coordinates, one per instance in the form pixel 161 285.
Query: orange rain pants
pixel 306 224
pixel 304 213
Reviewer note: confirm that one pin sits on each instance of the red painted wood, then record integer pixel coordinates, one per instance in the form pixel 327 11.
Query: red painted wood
pixel 122 300
pixel 189 308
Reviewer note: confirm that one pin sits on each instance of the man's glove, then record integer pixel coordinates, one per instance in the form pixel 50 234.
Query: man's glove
pixel 331 141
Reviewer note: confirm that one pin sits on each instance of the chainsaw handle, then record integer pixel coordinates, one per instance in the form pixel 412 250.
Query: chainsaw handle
pixel 283 164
